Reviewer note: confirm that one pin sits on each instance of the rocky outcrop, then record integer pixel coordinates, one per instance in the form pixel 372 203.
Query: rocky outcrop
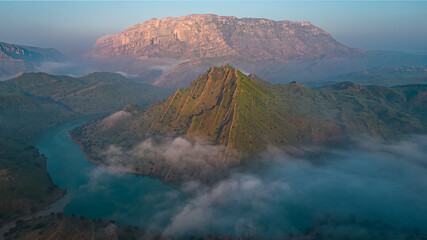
pixel 212 36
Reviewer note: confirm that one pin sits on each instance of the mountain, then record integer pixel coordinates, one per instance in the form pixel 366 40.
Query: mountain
pixel 211 36
pixel 388 76
pixel 180 48
pixel 33 102
pixel 243 117
pixel 171 52
pixel 16 58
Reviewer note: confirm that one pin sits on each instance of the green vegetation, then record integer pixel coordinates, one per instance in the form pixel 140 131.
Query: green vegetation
pixel 34 102
pixel 15 59
pixel 226 107
pixel 25 184
pixel 388 76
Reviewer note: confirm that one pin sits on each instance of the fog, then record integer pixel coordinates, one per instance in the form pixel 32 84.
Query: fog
pixel 372 188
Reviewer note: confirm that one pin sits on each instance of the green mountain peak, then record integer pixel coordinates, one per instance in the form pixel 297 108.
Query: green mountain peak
pixel 244 116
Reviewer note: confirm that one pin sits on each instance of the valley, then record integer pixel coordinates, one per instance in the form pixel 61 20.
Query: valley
pixel 31 104
pixel 283 120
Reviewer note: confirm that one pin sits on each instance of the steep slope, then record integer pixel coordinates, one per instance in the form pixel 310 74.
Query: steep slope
pixel 208 35
pixel 243 117
pixel 225 107
pixel 16 58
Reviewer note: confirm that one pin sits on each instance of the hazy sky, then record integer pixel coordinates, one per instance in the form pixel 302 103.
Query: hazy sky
pixel 73 27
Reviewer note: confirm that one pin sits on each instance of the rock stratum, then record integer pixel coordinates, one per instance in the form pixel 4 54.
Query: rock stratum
pixel 212 36
pixel 226 119
pixel 171 52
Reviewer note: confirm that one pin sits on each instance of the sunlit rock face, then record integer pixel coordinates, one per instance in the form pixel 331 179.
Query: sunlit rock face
pixel 211 36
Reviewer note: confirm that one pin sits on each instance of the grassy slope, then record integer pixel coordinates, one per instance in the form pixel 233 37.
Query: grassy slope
pixel 226 107
pixel 25 184
pixel 349 109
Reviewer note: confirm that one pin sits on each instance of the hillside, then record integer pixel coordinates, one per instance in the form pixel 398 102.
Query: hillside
pixel 16 58
pixel 388 76
pixel 25 186
pixel 243 117
pixel 34 102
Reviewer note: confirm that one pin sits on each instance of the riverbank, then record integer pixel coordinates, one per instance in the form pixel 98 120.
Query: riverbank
pixel 56 207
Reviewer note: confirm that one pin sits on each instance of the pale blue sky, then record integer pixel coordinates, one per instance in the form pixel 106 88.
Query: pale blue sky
pixel 74 26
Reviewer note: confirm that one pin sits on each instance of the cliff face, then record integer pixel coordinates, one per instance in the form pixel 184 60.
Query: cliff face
pixel 212 36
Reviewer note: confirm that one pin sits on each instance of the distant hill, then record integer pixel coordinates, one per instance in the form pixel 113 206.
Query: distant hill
pixel 15 59
pixel 246 116
pixel 388 76
pixel 33 102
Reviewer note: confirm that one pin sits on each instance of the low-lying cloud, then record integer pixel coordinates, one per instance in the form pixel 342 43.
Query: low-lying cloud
pixel 114 119
pixel 186 159
pixel 386 185
pixel 372 189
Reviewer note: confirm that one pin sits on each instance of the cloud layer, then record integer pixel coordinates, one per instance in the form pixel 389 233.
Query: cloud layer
pixel 374 187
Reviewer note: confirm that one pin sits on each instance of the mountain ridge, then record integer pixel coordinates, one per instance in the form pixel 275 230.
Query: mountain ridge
pixel 16 59
pixel 244 117
pixel 46 100
pixel 210 36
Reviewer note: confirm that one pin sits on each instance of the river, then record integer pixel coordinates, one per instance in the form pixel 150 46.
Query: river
pixel 379 184
pixel 98 192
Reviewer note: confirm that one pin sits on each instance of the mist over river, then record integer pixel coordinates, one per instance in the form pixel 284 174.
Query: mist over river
pixel 376 184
